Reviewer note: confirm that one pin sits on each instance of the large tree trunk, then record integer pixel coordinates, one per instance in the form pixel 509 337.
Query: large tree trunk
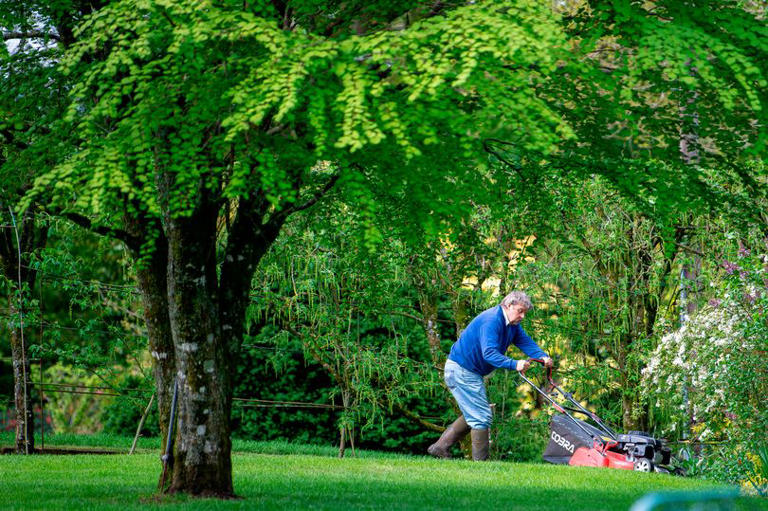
pixel 643 305
pixel 152 277
pixel 201 456
pixel 206 316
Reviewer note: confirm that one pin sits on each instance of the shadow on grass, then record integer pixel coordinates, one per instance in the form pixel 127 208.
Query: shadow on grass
pixel 455 495
pixel 59 451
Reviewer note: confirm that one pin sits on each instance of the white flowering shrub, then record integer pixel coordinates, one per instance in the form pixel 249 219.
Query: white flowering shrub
pixel 698 357
pixel 720 356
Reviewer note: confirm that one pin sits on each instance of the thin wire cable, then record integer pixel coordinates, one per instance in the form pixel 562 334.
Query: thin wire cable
pixel 246 402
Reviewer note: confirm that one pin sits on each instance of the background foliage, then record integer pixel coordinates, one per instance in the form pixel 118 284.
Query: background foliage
pixel 604 157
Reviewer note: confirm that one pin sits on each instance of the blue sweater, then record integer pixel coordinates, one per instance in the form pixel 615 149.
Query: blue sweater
pixel 482 345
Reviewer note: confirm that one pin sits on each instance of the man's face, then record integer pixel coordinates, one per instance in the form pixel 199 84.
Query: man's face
pixel 516 313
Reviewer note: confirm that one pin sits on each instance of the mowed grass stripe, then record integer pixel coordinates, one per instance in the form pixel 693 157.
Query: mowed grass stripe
pixel 271 481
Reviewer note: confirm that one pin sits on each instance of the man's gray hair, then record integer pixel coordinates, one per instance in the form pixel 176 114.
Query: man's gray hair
pixel 517 297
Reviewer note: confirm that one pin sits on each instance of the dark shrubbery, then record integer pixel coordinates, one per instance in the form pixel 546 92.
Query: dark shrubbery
pixel 262 375
pixel 267 374
pixel 520 438
pixel 122 416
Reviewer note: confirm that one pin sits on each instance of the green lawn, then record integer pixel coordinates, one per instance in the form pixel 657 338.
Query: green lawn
pixel 322 481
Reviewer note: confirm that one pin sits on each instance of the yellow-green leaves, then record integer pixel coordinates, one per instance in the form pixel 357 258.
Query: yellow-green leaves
pixel 368 84
pixel 215 99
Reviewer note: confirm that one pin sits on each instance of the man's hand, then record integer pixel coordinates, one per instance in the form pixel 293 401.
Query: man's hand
pixel 522 365
pixel 547 362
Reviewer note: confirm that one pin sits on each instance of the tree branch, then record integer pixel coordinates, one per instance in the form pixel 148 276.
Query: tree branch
pixel 436 9
pixel 340 381
pixel 131 242
pixel 490 150
pixel 279 217
pixel 686 248
pixel 316 356
pixel 412 416
pixel 404 314
pixel 318 195
pixel 32 34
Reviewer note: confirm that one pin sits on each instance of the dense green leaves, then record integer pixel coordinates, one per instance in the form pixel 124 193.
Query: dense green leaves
pixel 223 99
pixel 670 70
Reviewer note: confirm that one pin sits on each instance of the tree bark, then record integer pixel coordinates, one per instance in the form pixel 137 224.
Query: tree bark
pixel 202 452
pixel 428 307
pixel 206 321
pixel 206 317
pixel 22 391
pixel 152 279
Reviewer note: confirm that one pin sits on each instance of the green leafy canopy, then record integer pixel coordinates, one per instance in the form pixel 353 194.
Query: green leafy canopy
pixel 218 97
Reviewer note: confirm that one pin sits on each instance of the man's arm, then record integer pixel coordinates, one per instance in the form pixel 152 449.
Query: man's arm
pixel 490 343
pixel 528 346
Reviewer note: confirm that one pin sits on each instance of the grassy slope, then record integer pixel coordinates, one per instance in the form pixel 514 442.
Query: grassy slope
pixel 321 481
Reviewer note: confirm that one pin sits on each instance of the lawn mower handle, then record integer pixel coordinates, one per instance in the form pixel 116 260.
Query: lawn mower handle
pixel 568 396
pixel 554 403
pixel 540 361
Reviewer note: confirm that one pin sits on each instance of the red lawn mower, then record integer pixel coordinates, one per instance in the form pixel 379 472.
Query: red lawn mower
pixel 575 442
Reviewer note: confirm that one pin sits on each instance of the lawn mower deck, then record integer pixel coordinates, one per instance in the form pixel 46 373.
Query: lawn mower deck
pixel 576 442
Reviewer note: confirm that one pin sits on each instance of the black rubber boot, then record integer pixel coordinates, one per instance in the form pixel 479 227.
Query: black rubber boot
pixel 480 444
pixel 454 433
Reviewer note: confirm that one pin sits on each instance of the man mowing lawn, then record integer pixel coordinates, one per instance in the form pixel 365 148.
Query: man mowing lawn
pixel 482 348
